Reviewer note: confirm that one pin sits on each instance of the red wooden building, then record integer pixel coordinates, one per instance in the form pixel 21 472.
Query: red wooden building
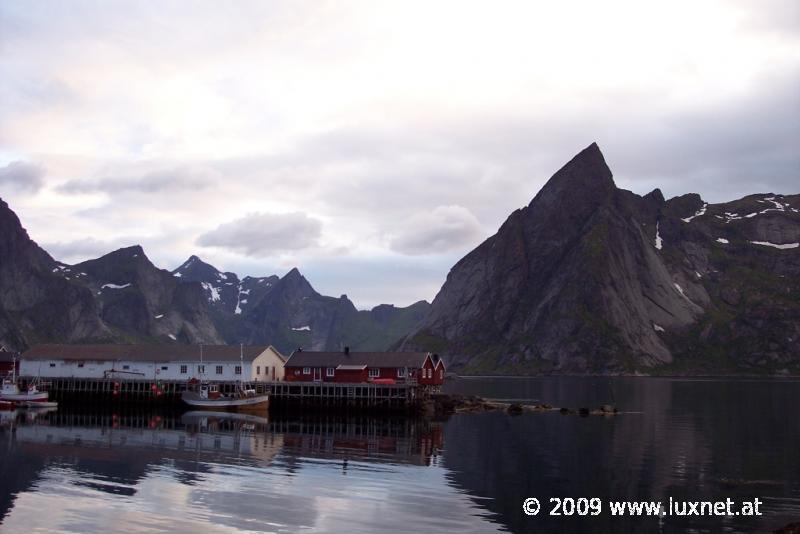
pixel 358 367
pixel 7 361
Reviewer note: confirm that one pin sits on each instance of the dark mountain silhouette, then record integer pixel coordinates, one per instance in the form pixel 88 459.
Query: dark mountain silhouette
pixel 592 278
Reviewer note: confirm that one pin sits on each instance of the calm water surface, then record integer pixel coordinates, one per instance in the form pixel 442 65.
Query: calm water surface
pixel 77 471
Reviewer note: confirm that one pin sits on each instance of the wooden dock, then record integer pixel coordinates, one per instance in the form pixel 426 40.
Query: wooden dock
pixel 367 395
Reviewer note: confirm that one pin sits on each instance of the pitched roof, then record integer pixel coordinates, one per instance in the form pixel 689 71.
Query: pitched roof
pixel 144 353
pixel 370 359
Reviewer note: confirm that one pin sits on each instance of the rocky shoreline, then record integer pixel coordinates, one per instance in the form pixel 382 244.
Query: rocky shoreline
pixel 443 404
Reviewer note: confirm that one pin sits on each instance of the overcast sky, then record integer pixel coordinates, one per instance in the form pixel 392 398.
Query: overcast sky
pixel 372 144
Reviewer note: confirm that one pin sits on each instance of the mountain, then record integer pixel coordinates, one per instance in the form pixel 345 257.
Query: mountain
pixel 292 314
pixel 225 292
pixel 38 303
pixel 122 297
pixel 592 278
pixel 141 302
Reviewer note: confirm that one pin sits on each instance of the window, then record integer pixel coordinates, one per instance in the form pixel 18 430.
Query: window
pixel 219 369
pixel 374 373
pixel 329 371
pixel 441 373
pixel 296 372
pixel 126 367
pixel 201 369
pixel 401 372
pixel 80 365
pixel 52 365
pixel 306 370
pixel 164 368
pixel 258 369
pixel 238 370
pixel 184 369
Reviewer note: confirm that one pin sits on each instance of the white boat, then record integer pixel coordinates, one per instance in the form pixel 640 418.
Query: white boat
pixel 208 397
pixel 11 392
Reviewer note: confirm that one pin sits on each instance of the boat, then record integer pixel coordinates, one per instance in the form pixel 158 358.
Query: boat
pixel 10 390
pixel 37 404
pixel 207 396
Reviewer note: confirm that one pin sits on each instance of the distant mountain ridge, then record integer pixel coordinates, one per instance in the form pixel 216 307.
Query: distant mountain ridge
pixel 592 278
pixel 122 297
pixel 587 278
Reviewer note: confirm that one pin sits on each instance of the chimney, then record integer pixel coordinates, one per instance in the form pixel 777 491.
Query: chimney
pixel 346 349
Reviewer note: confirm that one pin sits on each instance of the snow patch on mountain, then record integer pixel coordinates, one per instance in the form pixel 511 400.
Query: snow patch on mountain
pixel 701 211
pixel 115 286
pixel 782 246
pixel 659 242
pixel 214 292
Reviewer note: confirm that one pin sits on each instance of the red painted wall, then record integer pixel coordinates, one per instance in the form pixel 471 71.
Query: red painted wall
pixel 355 376
pixel 295 374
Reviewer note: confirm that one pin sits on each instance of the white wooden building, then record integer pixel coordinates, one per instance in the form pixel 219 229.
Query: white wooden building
pixel 224 363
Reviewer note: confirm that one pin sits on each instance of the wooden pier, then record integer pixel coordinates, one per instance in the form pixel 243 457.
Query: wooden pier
pixel 283 394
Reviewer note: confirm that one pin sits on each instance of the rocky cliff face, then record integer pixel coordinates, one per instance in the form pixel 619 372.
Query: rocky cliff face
pixel 142 302
pixel 38 303
pixel 226 293
pixel 592 278
pixel 292 314
pixel 122 297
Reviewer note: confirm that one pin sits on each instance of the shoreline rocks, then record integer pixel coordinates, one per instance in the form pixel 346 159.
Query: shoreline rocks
pixel 442 404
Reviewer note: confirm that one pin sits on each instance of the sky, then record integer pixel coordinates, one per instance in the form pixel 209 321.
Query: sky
pixel 372 144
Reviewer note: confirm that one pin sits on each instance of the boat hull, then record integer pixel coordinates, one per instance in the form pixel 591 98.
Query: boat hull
pixel 25 397
pixel 254 403
pixel 37 404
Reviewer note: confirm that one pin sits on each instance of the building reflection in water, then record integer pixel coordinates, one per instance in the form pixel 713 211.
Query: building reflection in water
pixel 117 454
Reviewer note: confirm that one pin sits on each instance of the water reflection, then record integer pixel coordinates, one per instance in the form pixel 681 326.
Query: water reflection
pixel 690 439
pixel 197 470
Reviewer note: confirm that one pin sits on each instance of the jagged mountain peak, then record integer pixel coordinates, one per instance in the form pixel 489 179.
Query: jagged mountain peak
pixel 133 252
pixel 196 270
pixel 294 273
pixel 655 195
pixel 585 176
pixel 592 278
pixel 121 266
pixel 294 282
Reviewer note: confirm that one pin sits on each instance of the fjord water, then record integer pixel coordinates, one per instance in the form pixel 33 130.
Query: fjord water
pixel 690 439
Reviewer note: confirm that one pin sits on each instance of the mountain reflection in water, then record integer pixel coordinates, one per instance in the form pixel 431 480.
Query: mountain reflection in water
pixel 198 471
pixel 688 439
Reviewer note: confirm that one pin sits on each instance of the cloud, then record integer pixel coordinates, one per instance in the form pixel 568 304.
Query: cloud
pixel 347 111
pixel 265 234
pixel 80 249
pixel 444 229
pixel 185 178
pixel 22 175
